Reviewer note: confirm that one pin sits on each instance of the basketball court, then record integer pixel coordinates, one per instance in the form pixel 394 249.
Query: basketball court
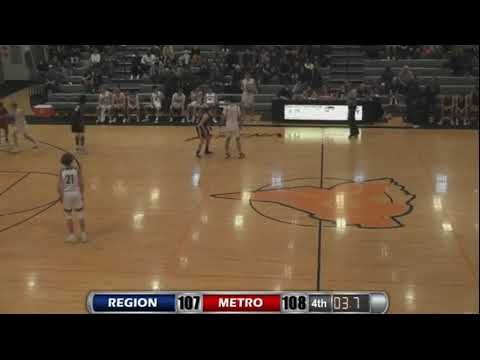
pixel 395 210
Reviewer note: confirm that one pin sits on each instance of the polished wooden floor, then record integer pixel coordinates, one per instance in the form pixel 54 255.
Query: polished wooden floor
pixel 153 223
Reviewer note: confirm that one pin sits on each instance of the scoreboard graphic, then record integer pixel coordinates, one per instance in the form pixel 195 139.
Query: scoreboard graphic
pixel 227 302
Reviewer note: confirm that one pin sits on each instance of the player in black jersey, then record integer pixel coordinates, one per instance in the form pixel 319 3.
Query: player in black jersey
pixel 204 131
pixel 78 126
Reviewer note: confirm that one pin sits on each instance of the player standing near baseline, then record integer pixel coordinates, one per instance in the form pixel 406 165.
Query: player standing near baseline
pixel 70 189
pixel 233 123
pixel 78 125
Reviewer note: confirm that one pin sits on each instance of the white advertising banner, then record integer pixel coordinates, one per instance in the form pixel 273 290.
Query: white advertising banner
pixel 321 112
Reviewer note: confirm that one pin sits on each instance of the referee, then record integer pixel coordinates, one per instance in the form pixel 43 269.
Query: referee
pixel 78 126
pixel 351 98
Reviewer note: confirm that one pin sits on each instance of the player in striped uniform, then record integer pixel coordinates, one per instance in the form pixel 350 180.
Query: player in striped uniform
pixel 196 101
pixel 119 105
pixel 156 100
pixel 133 106
pixel 20 127
pixel 233 123
pixel 71 192
pixel 203 131
pixel 104 105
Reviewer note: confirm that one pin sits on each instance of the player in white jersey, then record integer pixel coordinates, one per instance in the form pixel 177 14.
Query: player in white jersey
pixel 178 103
pixel 70 190
pixel 104 105
pixel 233 123
pixel 20 127
pixel 156 100
pixel 118 105
pixel 133 106
pixel 196 101
pixel 211 99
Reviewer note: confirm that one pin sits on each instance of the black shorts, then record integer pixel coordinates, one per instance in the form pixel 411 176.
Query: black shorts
pixel 203 132
pixel 78 128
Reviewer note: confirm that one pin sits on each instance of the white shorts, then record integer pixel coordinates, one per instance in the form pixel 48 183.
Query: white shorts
pixel 194 104
pixel 105 107
pixel 176 106
pixel 232 133
pixel 157 105
pixel 20 128
pixel 72 201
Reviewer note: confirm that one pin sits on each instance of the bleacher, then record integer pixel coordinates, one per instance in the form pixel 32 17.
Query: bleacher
pixel 348 63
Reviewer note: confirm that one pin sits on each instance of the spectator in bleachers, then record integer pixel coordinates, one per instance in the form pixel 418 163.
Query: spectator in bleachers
pixel 391 52
pixel 108 66
pixel 97 80
pixel 298 90
pixel 284 93
pixel 264 74
pixel 284 71
pixel 136 68
pixel 87 81
pixel 216 76
pixel 42 69
pixel 403 51
pixel 148 61
pixel 157 51
pixel 310 94
pixel 52 80
pixel 184 59
pixel 168 53
pixel 247 58
pixel 387 79
pixel 157 69
pixel 323 91
pixel 95 58
pixel 405 76
pixel 196 59
pixel 308 73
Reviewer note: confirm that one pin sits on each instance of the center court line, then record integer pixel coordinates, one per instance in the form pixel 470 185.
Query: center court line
pixel 319 249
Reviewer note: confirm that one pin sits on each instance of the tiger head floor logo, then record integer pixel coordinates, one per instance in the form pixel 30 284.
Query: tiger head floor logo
pixel 369 204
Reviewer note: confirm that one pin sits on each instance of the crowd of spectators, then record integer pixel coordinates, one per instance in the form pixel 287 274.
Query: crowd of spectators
pixel 222 69
pixel 461 59
pixel 226 65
